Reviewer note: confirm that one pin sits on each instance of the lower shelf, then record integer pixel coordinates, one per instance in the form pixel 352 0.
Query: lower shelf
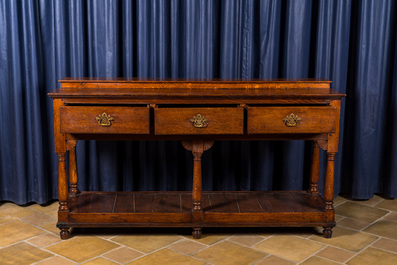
pixel 173 209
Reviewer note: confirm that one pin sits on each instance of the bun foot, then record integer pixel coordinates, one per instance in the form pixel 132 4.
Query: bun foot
pixel 327 232
pixel 64 233
pixel 196 233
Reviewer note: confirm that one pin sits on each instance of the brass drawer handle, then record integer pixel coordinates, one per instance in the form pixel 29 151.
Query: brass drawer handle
pixel 292 120
pixel 104 120
pixel 199 121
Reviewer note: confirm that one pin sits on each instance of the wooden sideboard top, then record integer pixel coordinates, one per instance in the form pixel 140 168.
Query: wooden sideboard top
pixel 180 90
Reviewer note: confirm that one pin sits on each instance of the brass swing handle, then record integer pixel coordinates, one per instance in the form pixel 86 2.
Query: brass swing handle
pixel 104 120
pixel 199 121
pixel 292 120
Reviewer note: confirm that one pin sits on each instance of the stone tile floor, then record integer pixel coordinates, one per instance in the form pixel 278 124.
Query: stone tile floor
pixel 366 233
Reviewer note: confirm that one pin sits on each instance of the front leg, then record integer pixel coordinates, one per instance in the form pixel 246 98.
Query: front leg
pixel 329 195
pixel 197 148
pixel 63 211
pixel 73 177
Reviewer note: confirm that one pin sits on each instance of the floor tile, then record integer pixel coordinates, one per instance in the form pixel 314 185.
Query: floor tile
pixel 297 231
pixel 360 212
pixel 38 219
pixel 386 244
pixel 15 211
pixel 289 247
pixel 146 243
pixel 6 219
pixel 347 239
pixel 353 223
pixel 51 227
pixel 51 209
pixel 187 246
pixel 338 217
pixel 123 255
pixel 371 202
pixel 273 260
pixel 384 228
pixel 210 239
pixel 56 261
pixel 22 253
pixel 336 254
pixel 81 249
pixel 166 256
pixel 246 240
pixel 389 204
pixel 16 231
pixel 339 200
pixel 391 216
pixel 99 261
pixel 228 253
pixel 318 261
pixel 45 240
pixel 106 236
pixel 374 256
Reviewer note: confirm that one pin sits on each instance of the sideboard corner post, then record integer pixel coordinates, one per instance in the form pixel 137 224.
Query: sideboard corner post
pixel 329 181
pixel 329 192
pixel 63 210
pixel 61 150
pixel 73 177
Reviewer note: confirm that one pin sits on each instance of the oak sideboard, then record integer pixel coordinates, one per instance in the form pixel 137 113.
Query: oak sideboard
pixel 197 113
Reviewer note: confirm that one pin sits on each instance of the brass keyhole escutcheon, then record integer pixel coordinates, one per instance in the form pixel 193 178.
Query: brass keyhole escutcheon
pixel 199 121
pixel 292 120
pixel 104 120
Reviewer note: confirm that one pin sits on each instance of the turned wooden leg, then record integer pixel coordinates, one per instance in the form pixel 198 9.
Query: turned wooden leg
pixel 197 147
pixel 314 174
pixel 73 177
pixel 329 182
pixel 197 232
pixel 327 232
pixel 329 195
pixel 62 183
pixel 63 210
pixel 197 194
pixel 64 233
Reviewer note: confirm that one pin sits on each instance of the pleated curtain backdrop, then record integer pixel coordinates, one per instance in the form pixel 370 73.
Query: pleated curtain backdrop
pixel 351 42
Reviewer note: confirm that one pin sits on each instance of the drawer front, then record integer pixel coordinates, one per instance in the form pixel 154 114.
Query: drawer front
pixel 104 119
pixel 190 121
pixel 267 120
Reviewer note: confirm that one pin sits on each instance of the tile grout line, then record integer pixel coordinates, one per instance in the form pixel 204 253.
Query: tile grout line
pixel 266 238
pixel 375 205
pixel 101 256
pixel 308 239
pixel 246 245
pixel 158 249
pixel 314 254
pixel 362 250
pixel 256 262
pixel 48 251
pixel 191 255
pixel 205 245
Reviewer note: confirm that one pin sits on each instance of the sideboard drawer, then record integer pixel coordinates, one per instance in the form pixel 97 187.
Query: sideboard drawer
pixel 199 121
pixel 105 119
pixel 264 120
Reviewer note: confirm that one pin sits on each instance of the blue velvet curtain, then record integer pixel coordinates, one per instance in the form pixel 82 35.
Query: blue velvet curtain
pixel 352 43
